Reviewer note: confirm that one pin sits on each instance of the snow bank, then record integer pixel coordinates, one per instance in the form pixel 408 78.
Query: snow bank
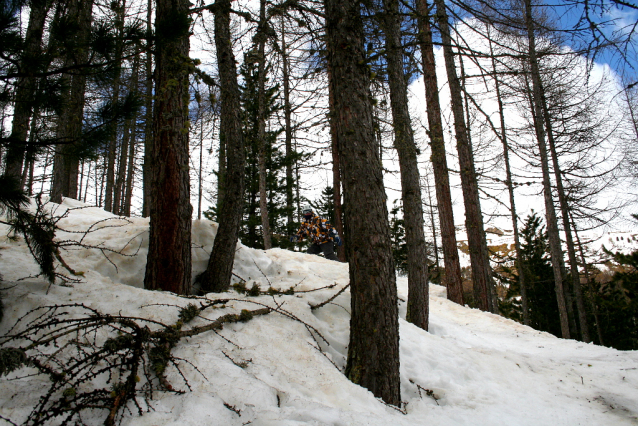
pixel 471 368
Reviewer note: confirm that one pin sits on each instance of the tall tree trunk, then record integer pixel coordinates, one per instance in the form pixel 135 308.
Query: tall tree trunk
pixel 373 352
pixel 261 125
pixel 479 257
pixel 26 87
pixel 130 174
pixel 433 225
pixel 550 212
pixel 130 177
pixel 148 119
pixel 439 162
pixel 510 187
pixel 336 174
pixel 569 239
pixel 200 174
pixel 111 199
pixel 220 265
pixel 118 193
pixel 69 131
pixel 168 265
pixel 418 300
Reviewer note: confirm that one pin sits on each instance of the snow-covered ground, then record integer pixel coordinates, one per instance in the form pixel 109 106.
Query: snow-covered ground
pixel 478 368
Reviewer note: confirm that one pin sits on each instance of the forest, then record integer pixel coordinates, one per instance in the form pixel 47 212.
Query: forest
pixel 402 122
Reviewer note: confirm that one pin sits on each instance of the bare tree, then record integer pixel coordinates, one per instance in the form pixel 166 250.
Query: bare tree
pixel 438 158
pixel 479 258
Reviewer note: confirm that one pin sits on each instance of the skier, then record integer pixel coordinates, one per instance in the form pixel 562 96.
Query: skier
pixel 321 234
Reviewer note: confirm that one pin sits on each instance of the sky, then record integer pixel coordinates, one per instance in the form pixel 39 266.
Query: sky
pixel 470 368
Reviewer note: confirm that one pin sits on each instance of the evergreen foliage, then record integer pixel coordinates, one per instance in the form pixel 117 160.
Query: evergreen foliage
pixel 617 302
pixel 250 234
pixel 537 267
pixel 397 235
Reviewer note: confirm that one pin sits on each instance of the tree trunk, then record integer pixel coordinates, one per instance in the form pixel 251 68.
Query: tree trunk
pixel 220 265
pixel 288 134
pixel 26 87
pixel 418 300
pixel 510 188
pixel 336 174
pixel 439 162
pixel 261 125
pixel 148 119
pixel 168 265
pixel 552 223
pixel 479 258
pixel 112 197
pixel 373 352
pixel 69 131
pixel 569 239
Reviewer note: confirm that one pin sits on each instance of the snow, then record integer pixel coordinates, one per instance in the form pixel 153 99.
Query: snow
pixel 479 368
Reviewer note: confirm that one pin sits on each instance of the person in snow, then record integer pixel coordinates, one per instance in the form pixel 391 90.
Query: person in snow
pixel 319 232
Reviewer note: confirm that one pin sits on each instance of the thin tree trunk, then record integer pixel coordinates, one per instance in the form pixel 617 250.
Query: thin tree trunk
pixel 121 170
pixel 111 201
pixel 510 188
pixel 200 178
pixel 26 87
pixel 130 174
pixel 479 258
pixel 168 265
pixel 569 239
pixel 288 134
pixel 418 300
pixel 552 223
pixel 261 123
pixel 373 352
pixel 148 119
pixel 86 187
pixel 336 174
pixel 433 224
pixel 69 131
pixel 451 261
pixel 220 265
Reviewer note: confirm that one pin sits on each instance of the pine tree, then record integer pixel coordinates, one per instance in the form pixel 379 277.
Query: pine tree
pixel 539 274
pixel 251 233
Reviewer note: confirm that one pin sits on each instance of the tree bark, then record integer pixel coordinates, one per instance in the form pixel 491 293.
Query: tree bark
pixel 373 352
pixel 439 162
pixel 418 299
pixel 220 265
pixel 168 265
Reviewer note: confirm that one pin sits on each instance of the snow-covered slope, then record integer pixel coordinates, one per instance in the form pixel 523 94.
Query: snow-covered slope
pixel 478 368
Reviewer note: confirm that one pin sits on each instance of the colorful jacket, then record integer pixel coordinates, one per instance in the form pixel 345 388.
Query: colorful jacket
pixel 317 230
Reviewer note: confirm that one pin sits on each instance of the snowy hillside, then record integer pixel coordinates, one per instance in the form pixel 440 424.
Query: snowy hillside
pixel 471 368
